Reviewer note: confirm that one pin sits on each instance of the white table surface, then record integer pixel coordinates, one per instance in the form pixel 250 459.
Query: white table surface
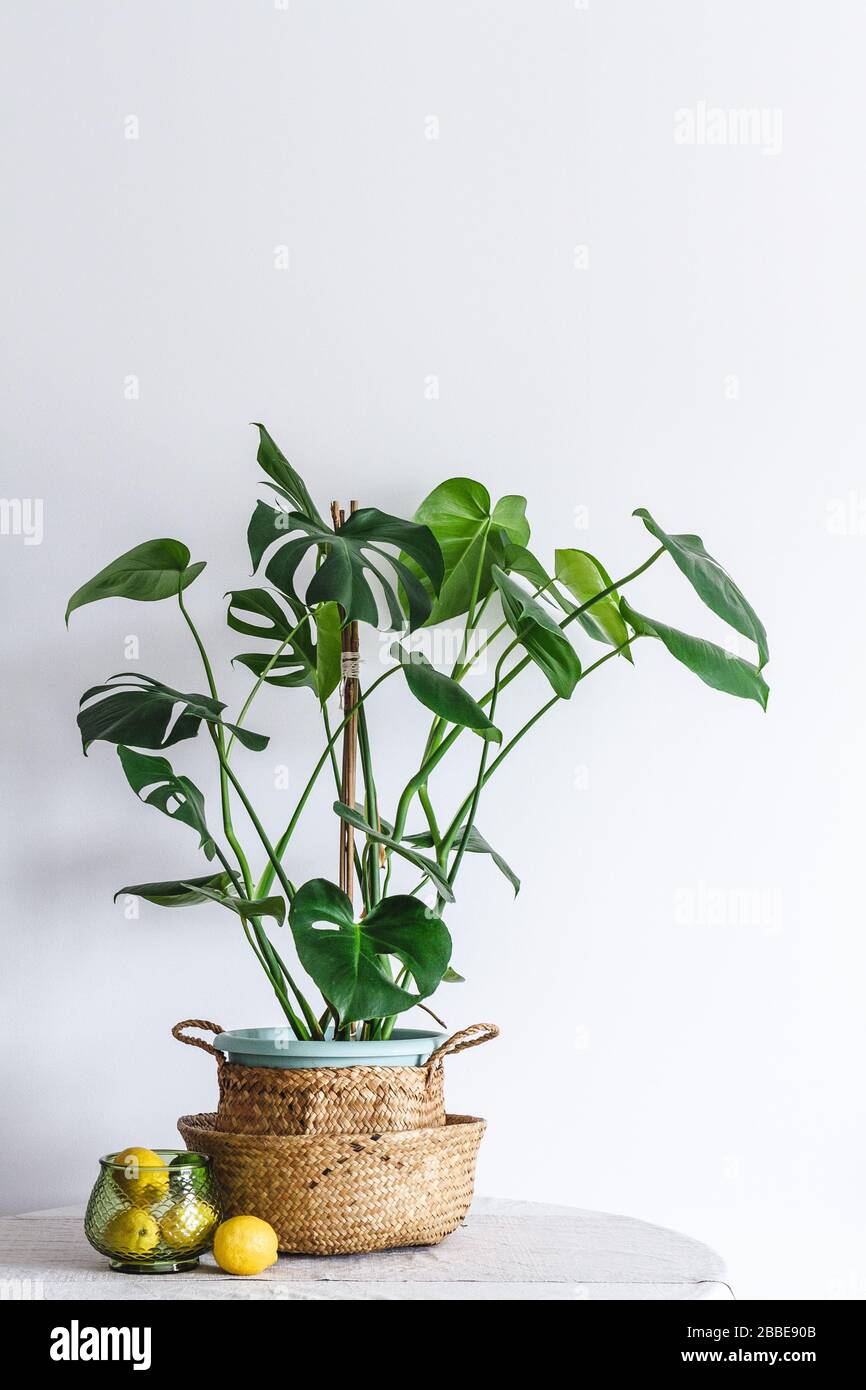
pixel 504 1250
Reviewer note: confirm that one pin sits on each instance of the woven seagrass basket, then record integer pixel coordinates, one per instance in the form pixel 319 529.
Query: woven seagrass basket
pixel 345 1194
pixel 331 1100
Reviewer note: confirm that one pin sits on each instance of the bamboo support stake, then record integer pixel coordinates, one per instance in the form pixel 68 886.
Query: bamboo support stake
pixel 350 693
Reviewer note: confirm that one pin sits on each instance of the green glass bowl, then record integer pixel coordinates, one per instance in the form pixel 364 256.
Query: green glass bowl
pixel 154 1220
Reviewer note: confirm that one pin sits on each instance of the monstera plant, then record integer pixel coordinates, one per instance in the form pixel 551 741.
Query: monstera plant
pixel 371 949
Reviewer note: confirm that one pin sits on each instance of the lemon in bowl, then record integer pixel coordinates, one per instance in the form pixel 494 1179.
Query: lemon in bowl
pixel 141 1175
pixel 132 1233
pixel 188 1224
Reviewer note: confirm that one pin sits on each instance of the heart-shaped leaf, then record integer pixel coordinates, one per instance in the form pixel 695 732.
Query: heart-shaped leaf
pixel 427 866
pixel 443 695
pixel 177 797
pixel 139 714
pixel 343 957
pixel 537 631
pixel 470 533
pixel 154 570
pixel 715 666
pixel 244 907
pixel 584 577
pixel 342 577
pixel 711 583
pixel 476 844
pixel 177 892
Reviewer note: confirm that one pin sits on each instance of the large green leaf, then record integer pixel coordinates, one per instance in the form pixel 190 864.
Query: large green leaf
pixel 344 958
pixel 154 570
pixel 381 837
pixel 342 576
pixel 584 577
pixel 140 715
pixel 715 666
pixel 177 892
pixel 177 797
pixel 288 483
pixel 469 532
pixel 542 637
pixel 244 907
pixel 443 695
pixel 711 583
pixel 476 844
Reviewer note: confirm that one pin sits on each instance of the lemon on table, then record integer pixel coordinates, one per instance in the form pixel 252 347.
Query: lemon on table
pixel 141 1174
pixel 187 1223
pixel 132 1232
pixel 245 1245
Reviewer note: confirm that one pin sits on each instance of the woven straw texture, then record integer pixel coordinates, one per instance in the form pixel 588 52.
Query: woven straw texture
pixel 340 1100
pixel 331 1100
pixel 345 1194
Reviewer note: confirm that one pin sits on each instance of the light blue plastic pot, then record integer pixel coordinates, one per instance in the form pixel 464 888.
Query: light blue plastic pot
pixel 279 1048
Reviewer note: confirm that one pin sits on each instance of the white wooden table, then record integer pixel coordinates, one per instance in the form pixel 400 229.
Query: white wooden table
pixel 505 1250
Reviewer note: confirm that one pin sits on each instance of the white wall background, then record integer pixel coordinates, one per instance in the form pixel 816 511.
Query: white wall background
pixel 705 1074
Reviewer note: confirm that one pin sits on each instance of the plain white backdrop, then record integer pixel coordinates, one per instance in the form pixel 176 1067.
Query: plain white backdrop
pixel 489 239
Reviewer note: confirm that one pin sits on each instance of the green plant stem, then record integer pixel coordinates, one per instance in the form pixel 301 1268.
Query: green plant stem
pixel 471 619
pixel 427 806
pixel 439 725
pixel 218 736
pixel 421 776
pixel 338 783
pixel 371 805
pixel 287 886
pixel 267 877
pixel 386 1025
pixel 261 679
pixel 489 639
pixel 306 1009
pixel 476 794
pixel 276 969
pixel 461 665
pixel 572 617
pixel 264 952
pixel 454 828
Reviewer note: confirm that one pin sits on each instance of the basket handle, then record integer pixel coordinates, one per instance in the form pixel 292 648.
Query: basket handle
pixel 206 1027
pixel 472 1036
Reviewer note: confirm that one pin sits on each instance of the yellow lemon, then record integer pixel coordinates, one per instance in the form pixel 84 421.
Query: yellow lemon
pixel 132 1232
pixel 188 1223
pixel 141 1175
pixel 245 1245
